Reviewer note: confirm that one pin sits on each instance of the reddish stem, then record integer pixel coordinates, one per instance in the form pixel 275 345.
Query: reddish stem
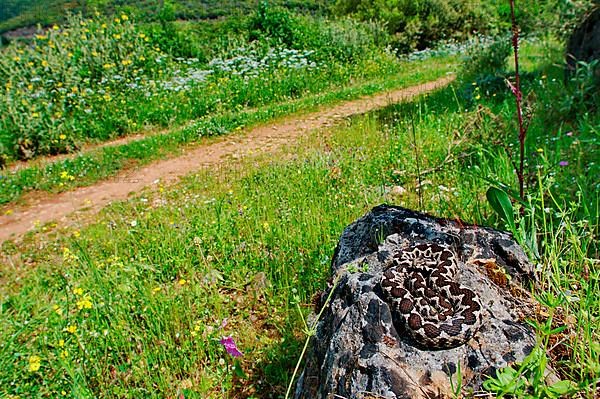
pixel 518 98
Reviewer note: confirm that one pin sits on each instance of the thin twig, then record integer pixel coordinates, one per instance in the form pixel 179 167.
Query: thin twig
pixel 309 333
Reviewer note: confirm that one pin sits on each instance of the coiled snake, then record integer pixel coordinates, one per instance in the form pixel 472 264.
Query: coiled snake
pixel 438 312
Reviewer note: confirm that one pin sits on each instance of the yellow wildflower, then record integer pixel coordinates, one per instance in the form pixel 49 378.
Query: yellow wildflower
pixel 116 36
pixel 61 343
pixel 29 86
pixel 34 363
pixel 17 58
pixel 182 281
pixel 94 54
pixel 64 354
pixel 44 63
pixel 71 328
pixel 68 256
pixel 124 17
pixel 64 175
pixel 117 20
pixel 55 27
pixel 156 289
pixel 103 26
pixel 85 302
pixel 35 115
pixel 57 309
pixel 62 136
pixel 78 291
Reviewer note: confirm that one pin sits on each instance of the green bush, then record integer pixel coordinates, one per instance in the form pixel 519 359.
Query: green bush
pixel 487 59
pixel 418 24
pixel 273 23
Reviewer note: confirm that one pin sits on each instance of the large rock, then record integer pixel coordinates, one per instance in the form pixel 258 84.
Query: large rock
pixel 584 42
pixel 361 349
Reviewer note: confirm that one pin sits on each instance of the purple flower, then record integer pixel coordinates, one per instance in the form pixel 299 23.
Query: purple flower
pixel 563 163
pixel 230 346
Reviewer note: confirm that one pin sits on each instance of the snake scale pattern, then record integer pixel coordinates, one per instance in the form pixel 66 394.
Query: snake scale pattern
pixel 438 312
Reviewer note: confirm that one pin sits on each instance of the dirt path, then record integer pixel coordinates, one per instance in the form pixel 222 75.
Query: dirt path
pixel 43 208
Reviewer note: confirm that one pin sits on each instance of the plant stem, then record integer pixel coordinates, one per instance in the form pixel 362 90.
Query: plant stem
pixel 518 96
pixel 312 331
pixel 418 164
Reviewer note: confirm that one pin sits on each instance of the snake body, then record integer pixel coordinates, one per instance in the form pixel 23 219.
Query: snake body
pixel 419 285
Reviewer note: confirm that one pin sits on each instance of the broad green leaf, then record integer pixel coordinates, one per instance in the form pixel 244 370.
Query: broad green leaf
pixel 501 204
pixel 560 388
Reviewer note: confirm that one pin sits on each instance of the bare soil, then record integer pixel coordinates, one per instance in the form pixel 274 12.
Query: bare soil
pixel 65 208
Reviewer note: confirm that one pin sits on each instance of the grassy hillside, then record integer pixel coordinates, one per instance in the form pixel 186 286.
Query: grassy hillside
pixel 22 13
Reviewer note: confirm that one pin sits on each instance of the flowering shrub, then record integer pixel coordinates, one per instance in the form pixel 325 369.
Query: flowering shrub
pixel 61 85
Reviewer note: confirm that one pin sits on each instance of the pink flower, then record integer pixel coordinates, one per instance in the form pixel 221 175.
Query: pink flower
pixel 563 163
pixel 230 346
pixel 569 134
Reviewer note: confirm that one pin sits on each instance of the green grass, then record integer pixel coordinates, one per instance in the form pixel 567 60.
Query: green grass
pixel 134 304
pixel 89 167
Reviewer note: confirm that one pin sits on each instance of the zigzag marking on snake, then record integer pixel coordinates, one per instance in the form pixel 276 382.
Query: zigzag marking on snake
pixel 438 312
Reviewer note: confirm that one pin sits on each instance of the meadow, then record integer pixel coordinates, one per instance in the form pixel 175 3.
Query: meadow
pixel 138 302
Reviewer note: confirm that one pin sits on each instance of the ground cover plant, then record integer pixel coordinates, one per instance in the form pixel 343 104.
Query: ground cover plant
pixel 142 302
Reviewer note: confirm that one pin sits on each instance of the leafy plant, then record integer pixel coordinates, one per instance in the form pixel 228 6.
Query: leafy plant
pixel 273 23
pixel 529 378
pixel 486 59
pixel 501 203
pixel 584 89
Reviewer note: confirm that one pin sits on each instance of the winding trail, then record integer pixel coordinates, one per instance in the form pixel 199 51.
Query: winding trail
pixel 42 208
